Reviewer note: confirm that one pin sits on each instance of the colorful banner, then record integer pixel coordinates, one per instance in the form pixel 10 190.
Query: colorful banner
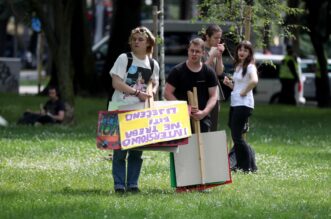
pixel 149 126
pixel 108 137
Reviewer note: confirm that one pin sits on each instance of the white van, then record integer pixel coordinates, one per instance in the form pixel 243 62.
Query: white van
pixel 309 68
pixel 269 86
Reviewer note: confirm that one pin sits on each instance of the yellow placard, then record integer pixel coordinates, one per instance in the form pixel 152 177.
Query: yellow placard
pixel 152 125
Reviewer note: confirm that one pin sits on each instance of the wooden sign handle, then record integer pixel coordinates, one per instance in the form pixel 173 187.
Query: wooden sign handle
pixel 193 101
pixel 149 102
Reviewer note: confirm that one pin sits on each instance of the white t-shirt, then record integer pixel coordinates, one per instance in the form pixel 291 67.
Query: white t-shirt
pixel 138 75
pixel 240 83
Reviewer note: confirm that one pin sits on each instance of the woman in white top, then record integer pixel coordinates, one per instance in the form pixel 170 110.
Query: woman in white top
pixel 242 103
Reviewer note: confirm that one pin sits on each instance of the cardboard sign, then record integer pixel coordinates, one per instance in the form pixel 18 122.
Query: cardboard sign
pixel 187 164
pixel 152 125
pixel 108 137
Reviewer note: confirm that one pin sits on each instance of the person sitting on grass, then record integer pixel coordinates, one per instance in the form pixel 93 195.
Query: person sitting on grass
pixel 51 112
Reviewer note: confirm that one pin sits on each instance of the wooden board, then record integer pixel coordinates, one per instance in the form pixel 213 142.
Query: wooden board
pixel 187 164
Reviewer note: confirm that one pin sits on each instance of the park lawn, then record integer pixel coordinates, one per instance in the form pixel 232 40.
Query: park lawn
pixel 57 172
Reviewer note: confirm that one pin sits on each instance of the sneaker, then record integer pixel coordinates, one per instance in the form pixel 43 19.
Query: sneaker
pixel 109 157
pixel 37 124
pixel 133 190
pixel 234 169
pixel 120 191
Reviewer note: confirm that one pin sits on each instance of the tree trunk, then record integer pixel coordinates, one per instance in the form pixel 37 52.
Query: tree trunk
pixel 126 16
pixel 83 61
pixel 56 18
pixel 321 77
pixel 3 36
pixel 318 17
pixel 294 20
pixel 186 9
pixel 4 17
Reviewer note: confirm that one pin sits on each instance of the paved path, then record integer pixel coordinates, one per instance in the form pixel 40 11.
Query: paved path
pixel 29 89
pixel 29 75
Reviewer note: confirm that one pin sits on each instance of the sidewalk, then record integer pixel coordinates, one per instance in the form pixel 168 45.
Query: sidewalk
pixel 29 89
pixel 29 75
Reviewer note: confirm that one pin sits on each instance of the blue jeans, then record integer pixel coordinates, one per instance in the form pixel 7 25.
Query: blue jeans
pixel 121 179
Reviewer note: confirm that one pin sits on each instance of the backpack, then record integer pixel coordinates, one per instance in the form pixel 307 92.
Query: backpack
pixel 130 60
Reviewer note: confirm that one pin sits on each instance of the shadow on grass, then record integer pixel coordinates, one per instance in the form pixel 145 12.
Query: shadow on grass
pixel 98 192
pixel 84 192
pixel 159 191
pixel 8 193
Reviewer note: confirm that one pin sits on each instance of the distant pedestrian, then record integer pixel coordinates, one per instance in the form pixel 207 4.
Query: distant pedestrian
pixel 289 77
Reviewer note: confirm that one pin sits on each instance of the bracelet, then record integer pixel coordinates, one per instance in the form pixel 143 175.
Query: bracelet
pixel 135 93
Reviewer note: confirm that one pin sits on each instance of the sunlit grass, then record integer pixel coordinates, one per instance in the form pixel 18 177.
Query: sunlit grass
pixel 57 172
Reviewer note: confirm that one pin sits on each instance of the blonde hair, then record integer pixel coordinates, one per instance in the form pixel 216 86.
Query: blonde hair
pixel 197 42
pixel 150 37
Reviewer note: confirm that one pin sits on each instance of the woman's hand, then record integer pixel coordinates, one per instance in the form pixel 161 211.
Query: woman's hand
pixel 242 93
pixel 220 48
pixel 228 82
pixel 216 52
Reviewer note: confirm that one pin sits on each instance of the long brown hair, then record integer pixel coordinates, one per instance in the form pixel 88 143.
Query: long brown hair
pixel 250 58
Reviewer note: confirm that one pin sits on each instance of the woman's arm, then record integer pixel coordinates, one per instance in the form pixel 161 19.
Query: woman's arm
pixel 251 84
pixel 228 82
pixel 217 53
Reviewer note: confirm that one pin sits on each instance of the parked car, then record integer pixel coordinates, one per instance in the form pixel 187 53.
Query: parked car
pixel 309 68
pixel 177 34
pixel 269 86
pixel 99 51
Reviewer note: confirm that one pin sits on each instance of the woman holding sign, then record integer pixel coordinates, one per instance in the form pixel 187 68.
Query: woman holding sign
pixel 130 83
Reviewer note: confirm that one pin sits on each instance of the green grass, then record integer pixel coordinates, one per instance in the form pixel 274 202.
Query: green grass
pixel 57 172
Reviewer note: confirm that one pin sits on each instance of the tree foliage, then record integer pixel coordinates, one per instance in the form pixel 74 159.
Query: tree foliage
pixel 231 14
pixel 269 19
